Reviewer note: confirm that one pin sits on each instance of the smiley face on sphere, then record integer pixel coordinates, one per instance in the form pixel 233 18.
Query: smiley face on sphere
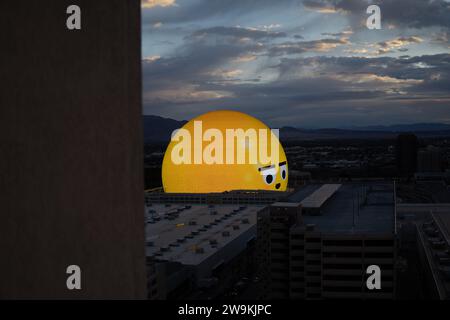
pixel 224 151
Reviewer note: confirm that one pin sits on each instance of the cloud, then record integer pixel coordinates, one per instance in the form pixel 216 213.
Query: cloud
pixel 304 72
pixel 200 63
pixel 397 43
pixel 270 26
pixel 246 58
pixel 151 59
pixel 157 3
pixel 237 33
pixel 184 94
pixel 226 74
pixel 197 10
pixel 324 45
pixel 326 91
pixel 442 39
pixel 321 6
pixel 409 13
pixel 345 33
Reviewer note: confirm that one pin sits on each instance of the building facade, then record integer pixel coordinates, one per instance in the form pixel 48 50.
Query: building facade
pixel 326 256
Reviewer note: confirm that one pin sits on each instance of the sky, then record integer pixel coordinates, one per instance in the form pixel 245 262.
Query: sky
pixel 300 63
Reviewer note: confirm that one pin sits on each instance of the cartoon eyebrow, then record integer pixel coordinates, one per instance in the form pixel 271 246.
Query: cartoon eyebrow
pixel 266 168
pixel 283 163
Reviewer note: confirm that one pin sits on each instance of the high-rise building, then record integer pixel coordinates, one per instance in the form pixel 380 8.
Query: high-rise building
pixel 406 154
pixel 71 151
pixel 320 245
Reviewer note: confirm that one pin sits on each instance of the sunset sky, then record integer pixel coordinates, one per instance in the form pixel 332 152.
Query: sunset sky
pixel 302 63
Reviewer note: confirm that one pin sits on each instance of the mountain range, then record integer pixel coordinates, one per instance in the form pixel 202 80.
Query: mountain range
pixel 159 129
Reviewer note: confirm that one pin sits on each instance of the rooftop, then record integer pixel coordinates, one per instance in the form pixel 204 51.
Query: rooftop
pixel 318 198
pixel 352 208
pixel 190 234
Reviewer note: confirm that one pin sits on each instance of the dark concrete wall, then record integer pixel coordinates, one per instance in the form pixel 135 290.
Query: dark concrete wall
pixel 71 182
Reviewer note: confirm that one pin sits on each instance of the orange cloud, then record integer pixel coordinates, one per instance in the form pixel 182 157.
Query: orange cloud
pixel 157 3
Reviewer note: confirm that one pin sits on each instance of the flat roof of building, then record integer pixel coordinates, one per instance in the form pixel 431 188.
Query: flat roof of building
pixel 318 198
pixel 189 234
pixel 286 204
pixel 353 208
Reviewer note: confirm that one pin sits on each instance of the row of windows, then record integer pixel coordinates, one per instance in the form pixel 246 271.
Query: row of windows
pixel 354 266
pixel 359 243
pixel 359 256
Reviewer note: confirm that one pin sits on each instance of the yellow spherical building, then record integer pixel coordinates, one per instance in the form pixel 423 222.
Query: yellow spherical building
pixel 223 151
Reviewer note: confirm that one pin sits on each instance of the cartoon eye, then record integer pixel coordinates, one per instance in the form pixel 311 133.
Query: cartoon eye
pixel 268 174
pixel 283 170
pixel 268 179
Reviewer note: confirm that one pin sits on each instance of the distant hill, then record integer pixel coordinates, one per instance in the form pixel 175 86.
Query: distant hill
pixel 159 129
pixel 292 134
pixel 416 127
pixel 289 133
